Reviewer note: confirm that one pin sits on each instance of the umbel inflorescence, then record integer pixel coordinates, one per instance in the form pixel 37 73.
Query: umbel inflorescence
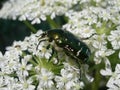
pixel 23 67
pixel 26 68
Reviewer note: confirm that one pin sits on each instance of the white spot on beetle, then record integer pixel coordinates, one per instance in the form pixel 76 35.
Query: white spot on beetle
pixel 67 47
pixel 79 43
pixel 79 52
pixel 66 39
pixel 86 51
pixel 59 41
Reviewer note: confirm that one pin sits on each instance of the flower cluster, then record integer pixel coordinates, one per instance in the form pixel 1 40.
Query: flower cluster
pixel 27 64
pixel 35 10
pixel 25 67
pixel 114 81
pixel 114 38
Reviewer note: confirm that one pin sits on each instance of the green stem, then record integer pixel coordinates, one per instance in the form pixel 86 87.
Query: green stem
pixel 113 27
pixel 37 60
pixel 52 23
pixel 30 26
pixel 95 85
pixel 33 62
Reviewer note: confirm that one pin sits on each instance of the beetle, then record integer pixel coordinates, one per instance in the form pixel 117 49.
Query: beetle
pixel 71 45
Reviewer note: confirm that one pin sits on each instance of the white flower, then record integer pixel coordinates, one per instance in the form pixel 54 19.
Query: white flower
pixel 25 84
pixel 44 51
pixel 32 43
pixel 114 79
pixel 36 20
pixel 114 85
pixel 8 83
pixel 2 82
pixel 35 10
pixel 2 60
pixel 18 46
pixel 102 55
pixel 78 86
pixel 87 32
pixel 114 38
pixel 108 70
pixel 45 79
pixel 24 66
pixel 69 79
pixel 99 41
pixel 63 81
pixel 104 14
pixel 11 59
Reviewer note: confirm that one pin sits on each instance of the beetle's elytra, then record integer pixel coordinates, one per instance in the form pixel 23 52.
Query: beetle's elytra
pixel 71 45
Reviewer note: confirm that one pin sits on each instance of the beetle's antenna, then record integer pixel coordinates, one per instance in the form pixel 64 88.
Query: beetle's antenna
pixel 80 69
pixel 40 42
pixel 43 35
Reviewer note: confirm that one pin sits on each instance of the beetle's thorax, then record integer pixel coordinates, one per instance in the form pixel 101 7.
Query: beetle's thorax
pixel 56 37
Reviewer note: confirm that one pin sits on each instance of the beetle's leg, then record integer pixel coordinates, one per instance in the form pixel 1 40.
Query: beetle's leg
pixel 54 52
pixel 80 69
pixel 51 53
pixel 56 55
pixel 88 37
pixel 42 36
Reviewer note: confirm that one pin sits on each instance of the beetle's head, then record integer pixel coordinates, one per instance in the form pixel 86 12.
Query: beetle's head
pixel 55 34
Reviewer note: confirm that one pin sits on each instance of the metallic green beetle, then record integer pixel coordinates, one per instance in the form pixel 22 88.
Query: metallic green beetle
pixel 71 45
